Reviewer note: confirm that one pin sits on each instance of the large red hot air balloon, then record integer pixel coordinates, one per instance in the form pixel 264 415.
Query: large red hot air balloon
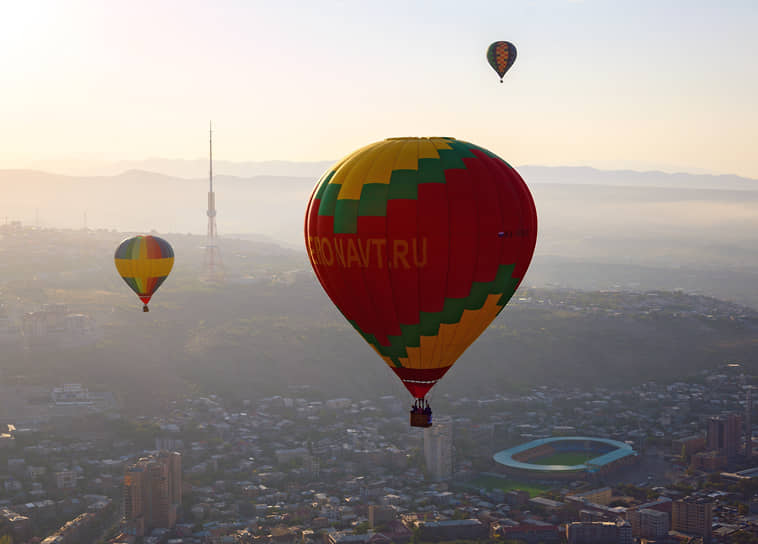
pixel 420 242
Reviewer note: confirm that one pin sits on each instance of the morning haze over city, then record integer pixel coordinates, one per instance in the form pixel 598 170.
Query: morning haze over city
pixel 368 273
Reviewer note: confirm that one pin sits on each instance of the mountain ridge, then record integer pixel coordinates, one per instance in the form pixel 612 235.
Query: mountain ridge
pixel 581 175
pixel 675 218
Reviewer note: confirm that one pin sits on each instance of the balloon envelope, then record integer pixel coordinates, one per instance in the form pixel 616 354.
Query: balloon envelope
pixel 144 262
pixel 501 56
pixel 420 242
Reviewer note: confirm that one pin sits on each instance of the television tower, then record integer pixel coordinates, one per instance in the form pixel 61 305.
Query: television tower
pixel 214 271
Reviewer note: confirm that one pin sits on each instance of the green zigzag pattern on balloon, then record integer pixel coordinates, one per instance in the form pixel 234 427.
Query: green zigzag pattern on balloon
pixel 429 322
pixel 131 282
pixel 403 185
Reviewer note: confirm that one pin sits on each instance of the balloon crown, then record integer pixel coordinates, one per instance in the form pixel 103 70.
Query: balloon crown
pixel 420 138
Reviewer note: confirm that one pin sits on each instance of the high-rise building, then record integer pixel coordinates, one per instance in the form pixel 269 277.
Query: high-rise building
pixel 648 523
pixel 174 462
pixel 693 515
pixel 135 481
pixel 724 434
pixel 749 422
pixel 153 492
pixel 438 449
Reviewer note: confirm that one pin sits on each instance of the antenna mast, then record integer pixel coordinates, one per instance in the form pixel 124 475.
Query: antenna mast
pixel 213 268
pixel 210 154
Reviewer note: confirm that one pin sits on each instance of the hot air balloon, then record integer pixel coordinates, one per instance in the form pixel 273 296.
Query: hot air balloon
pixel 144 262
pixel 420 243
pixel 501 56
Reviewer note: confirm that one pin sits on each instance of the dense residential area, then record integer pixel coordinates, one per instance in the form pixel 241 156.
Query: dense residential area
pixel 215 419
pixel 300 469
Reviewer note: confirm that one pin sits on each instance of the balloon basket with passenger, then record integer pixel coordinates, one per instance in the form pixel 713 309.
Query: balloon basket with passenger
pixel 421 414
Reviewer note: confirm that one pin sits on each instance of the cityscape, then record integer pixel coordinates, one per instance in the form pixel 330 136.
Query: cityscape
pixel 291 468
pixel 643 461
pixel 391 272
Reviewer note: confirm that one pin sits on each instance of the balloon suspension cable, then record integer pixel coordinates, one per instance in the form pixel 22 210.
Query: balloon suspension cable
pixel 145 308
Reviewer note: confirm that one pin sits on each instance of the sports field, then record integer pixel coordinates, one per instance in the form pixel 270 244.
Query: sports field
pixel 509 484
pixel 570 458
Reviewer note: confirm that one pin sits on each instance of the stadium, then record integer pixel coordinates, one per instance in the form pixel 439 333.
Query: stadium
pixel 565 458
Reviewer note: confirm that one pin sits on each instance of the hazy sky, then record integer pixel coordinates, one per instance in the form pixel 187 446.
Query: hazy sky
pixel 607 83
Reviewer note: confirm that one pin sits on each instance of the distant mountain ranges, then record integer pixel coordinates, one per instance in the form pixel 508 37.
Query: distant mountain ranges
pixel 269 198
pixel 584 175
pixel 180 168
pixel 597 229
pixel 198 169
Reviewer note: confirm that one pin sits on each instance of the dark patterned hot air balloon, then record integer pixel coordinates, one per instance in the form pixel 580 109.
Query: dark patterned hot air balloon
pixel 501 56
pixel 420 242
pixel 144 262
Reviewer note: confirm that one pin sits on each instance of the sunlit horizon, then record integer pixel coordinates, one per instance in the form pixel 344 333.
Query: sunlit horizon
pixel 596 83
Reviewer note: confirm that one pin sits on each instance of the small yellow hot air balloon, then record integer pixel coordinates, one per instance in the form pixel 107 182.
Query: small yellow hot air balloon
pixel 144 262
